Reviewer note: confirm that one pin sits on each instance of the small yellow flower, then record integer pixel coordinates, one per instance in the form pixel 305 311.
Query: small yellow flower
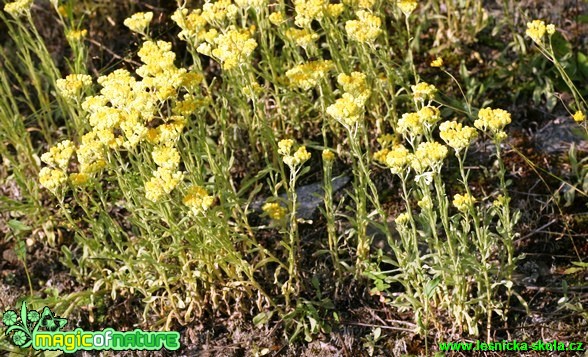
pixel 198 199
pixel 402 219
pixel 335 10
pixel 463 202
pixel 437 62
pixel 345 110
pixel 308 75
pixel 76 35
pixel 52 179
pixel 493 120
pixel 410 124
pixel 423 91
pixel 397 159
pixel 550 29
pixel 356 85
pixel 59 155
pixel 166 156
pixel 19 8
pixel 274 211
pixel 579 116
pixel 456 135
pixel 79 179
pixel 425 203
pixel 328 155
pixel 536 30
pixel 380 155
pixel 276 18
pixel 139 21
pixel 302 38
pixel 407 6
pixel 428 156
pixel 308 10
pixel 365 29
pixel 71 86
pixel 285 147
pixel 163 182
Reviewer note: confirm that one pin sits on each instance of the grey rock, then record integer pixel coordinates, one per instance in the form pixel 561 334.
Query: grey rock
pixel 309 197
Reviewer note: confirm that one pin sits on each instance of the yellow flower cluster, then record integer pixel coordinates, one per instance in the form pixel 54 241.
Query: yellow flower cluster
pixel 365 29
pixel 276 18
pixel 231 48
pixel 159 72
pixel 493 120
pixel 307 75
pixel 163 182
pixel 356 85
pixel 165 156
pixel 19 8
pixel 297 158
pixel 139 22
pixel 437 62
pixel 219 11
pixel 71 87
pixel 425 203
pixel 335 10
pixel 410 124
pixel 256 4
pixel 579 116
pixel 198 199
pixel 463 202
pixel 428 155
pixel 274 210
pixel 328 156
pixel 52 179
pixel 345 110
pixel 308 10
pixel 413 123
pixel 362 4
pixel 536 30
pixel 423 91
pixel 73 36
pixel 58 156
pixel 456 135
pixel 193 25
pixel 402 219
pixel 397 159
pixel 407 6
pixel 302 38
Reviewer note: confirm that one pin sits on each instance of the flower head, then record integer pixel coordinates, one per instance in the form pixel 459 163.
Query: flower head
pixel 59 155
pixel 345 110
pixel 198 199
pixel 19 8
pixel 407 6
pixel 579 116
pixel 308 75
pixel 536 30
pixel 274 210
pixel 437 62
pixel 493 120
pixel 428 156
pixel 365 29
pixel 456 135
pixel 139 21
pixel 52 179
pixel 397 159
pixel 72 86
pixel 463 202
pixel 423 91
pixel 328 155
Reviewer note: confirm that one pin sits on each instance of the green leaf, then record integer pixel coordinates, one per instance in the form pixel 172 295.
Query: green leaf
pixel 583 64
pixel 262 318
pixel 17 226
